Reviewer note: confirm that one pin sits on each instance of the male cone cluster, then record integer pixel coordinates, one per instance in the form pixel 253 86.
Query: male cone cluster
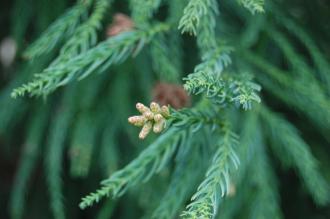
pixel 153 118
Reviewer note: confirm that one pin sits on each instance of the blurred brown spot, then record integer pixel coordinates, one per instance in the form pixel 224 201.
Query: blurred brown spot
pixel 170 94
pixel 120 23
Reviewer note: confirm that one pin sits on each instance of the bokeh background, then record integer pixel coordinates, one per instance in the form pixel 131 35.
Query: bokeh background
pixel 95 114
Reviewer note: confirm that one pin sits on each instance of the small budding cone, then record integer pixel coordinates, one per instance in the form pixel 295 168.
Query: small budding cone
pixel 159 126
pixel 141 108
pixel 137 120
pixel 145 130
pixel 155 108
pixel 158 117
pixel 165 111
pixel 153 118
pixel 148 115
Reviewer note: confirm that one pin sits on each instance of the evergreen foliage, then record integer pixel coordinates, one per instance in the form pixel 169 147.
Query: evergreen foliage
pixel 62 28
pixel 259 81
pixel 217 179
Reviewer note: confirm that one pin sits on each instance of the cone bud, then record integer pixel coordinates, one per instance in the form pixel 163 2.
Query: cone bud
pixel 137 120
pixel 155 108
pixel 159 126
pixel 145 130
pixel 165 111
pixel 141 108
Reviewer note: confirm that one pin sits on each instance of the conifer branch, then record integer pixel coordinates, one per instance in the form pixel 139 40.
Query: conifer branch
pixel 206 36
pixel 215 60
pixel 85 35
pixel 254 6
pixel 112 51
pixel 155 156
pixel 199 19
pixel 62 28
pixel 203 115
pixel 225 90
pixel 206 200
pixel 187 172
pixel 293 151
pixel 194 13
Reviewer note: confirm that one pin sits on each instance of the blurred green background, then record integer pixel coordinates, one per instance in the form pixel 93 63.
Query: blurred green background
pixel 96 113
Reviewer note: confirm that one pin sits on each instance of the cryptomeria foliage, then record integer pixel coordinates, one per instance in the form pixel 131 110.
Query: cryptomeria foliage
pixel 259 82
